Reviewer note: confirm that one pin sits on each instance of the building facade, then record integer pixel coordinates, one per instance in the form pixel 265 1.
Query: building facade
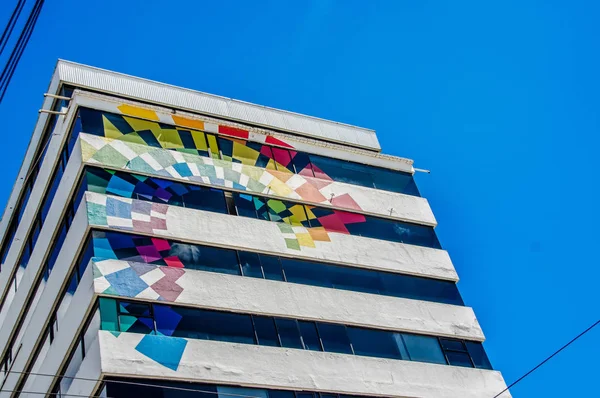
pixel 164 242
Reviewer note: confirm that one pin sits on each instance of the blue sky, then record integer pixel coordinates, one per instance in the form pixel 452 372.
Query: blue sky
pixel 499 100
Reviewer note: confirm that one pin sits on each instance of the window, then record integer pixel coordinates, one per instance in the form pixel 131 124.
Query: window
pixel 310 337
pixel 271 267
pixel 289 334
pixel 334 338
pixel 266 333
pixel 374 343
pixel 251 266
pixel 305 272
pixel 478 355
pixel 456 353
pixel 423 348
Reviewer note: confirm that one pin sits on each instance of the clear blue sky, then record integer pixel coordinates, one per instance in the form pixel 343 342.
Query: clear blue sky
pixel 501 101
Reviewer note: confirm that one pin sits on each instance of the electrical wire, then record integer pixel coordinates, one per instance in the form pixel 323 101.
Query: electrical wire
pixel 548 358
pixel 11 24
pixel 18 50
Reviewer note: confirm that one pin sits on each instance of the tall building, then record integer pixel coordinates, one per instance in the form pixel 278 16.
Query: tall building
pixel 163 242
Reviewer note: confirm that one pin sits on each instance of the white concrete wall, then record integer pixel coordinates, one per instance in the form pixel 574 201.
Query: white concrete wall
pixel 43 244
pixel 258 296
pixel 34 202
pixel 64 338
pixel 28 162
pixel 273 367
pixel 50 294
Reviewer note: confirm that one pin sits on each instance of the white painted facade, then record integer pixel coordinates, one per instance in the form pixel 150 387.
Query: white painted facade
pixel 214 362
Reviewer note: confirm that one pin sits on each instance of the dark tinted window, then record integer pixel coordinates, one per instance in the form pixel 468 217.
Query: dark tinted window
pixel 423 348
pixel 206 258
pixel 289 334
pixel 305 272
pixel 250 263
pixel 374 343
pixel 265 331
pixel 271 267
pixel 310 337
pixel 334 338
pixel 478 355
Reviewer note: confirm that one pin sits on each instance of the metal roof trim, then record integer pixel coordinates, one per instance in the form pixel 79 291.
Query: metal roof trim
pixel 228 108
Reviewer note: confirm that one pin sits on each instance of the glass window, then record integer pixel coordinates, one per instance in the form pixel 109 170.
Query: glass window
pixel 271 267
pixel 342 171
pixel 334 338
pixel 202 198
pixel 23 201
pixel 206 258
pixel 250 263
pixel 420 288
pixel 265 331
pixel 301 164
pixel 289 335
pixel 305 272
pixel 283 159
pixel 454 345
pixel 355 279
pixel 66 298
pixel 264 155
pixel 249 206
pixel 209 325
pixel 363 175
pixel 478 355
pixel 108 314
pixel 281 394
pixel 423 348
pixel 239 392
pixel 57 246
pixel 456 358
pixel 74 134
pixel 374 343
pixel 135 308
pixel 54 182
pixel 395 231
pixel 25 255
pixel 395 181
pixel 310 337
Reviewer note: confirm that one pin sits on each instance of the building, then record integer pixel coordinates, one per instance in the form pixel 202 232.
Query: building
pixel 164 242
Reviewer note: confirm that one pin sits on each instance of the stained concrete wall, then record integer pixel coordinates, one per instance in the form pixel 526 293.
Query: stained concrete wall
pixel 259 366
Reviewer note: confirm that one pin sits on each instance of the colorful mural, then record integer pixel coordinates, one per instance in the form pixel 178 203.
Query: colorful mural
pixel 155 161
pixel 195 137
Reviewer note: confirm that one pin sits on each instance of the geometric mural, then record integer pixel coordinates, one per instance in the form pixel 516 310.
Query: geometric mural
pixel 139 280
pixel 205 170
pixel 231 144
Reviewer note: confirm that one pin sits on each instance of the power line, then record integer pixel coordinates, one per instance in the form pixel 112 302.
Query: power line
pixel 15 56
pixel 11 24
pixel 548 358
